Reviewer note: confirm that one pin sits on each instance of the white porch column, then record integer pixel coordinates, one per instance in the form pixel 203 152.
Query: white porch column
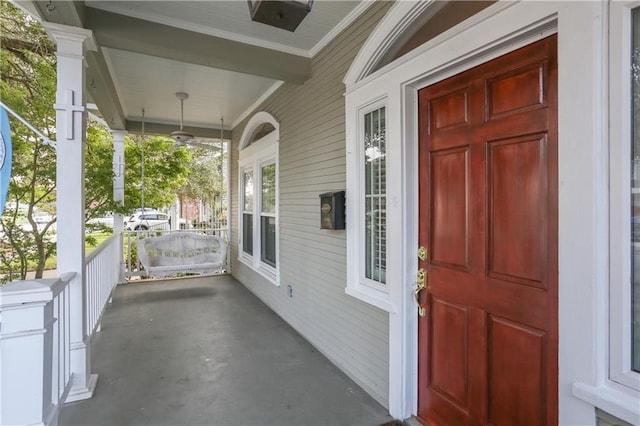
pixel 71 137
pixel 118 188
pixel 118 175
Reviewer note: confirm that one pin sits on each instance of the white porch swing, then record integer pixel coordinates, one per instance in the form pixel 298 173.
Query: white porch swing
pixel 182 251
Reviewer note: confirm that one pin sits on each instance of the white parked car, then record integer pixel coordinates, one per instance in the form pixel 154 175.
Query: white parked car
pixel 106 220
pixel 140 221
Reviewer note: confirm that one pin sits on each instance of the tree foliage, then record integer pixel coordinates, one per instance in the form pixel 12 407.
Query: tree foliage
pixel 205 171
pixel 28 86
pixel 165 171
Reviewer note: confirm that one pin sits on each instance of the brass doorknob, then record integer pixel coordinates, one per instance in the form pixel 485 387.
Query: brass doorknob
pixel 421 284
pixel 422 253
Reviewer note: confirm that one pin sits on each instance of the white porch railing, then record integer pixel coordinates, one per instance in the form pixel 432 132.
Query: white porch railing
pixel 35 336
pixel 34 350
pixel 102 268
pixel 133 267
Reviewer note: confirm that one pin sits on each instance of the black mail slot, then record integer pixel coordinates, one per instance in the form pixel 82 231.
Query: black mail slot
pixel 332 208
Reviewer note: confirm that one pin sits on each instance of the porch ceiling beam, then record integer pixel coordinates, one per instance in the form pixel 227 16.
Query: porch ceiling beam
pixel 100 87
pixel 103 92
pixel 149 38
pixel 165 129
pixel 60 12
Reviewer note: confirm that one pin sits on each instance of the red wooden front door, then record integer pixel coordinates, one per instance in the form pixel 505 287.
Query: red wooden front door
pixel 488 341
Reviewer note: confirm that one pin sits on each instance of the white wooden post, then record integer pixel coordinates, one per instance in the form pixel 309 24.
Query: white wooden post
pixel 118 189
pixel 71 137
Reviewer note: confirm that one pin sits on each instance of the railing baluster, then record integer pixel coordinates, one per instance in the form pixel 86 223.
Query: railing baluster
pixel 101 272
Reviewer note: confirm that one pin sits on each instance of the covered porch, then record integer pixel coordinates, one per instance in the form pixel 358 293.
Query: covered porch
pixel 197 351
pixel 205 350
pixel 349 103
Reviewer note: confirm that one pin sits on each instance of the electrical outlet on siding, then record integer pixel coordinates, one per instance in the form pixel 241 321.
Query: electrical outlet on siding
pixel 289 290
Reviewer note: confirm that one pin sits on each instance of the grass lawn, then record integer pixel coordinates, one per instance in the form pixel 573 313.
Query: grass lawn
pixel 95 239
pixel 100 237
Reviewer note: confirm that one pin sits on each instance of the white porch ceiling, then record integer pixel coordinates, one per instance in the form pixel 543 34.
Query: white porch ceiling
pixel 231 20
pixel 149 50
pixel 150 82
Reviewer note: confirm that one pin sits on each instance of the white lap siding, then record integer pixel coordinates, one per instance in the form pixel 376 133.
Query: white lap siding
pixel 352 334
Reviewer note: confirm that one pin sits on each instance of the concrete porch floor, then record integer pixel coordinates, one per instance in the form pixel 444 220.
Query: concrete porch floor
pixel 206 351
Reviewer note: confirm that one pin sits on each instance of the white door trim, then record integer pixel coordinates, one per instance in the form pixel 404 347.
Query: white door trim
pixel 499 29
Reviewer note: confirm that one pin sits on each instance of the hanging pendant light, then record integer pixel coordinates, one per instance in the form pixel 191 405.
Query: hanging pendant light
pixel 180 136
pixel 284 14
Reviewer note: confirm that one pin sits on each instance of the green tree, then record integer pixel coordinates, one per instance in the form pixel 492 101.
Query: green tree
pixel 205 172
pixel 28 85
pixel 165 171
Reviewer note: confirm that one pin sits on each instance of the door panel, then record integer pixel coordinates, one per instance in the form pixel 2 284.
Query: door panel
pixel 516 362
pixel 449 111
pixel 516 178
pixel 449 243
pixel 450 351
pixel 516 91
pixel 488 217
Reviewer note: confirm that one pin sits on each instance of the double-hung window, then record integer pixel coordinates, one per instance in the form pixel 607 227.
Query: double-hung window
pixel 247 211
pixel 268 214
pixel 258 227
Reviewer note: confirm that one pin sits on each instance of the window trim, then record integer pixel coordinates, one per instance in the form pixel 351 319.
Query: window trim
pixel 620 373
pixel 253 157
pixel 615 387
pixel 358 285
